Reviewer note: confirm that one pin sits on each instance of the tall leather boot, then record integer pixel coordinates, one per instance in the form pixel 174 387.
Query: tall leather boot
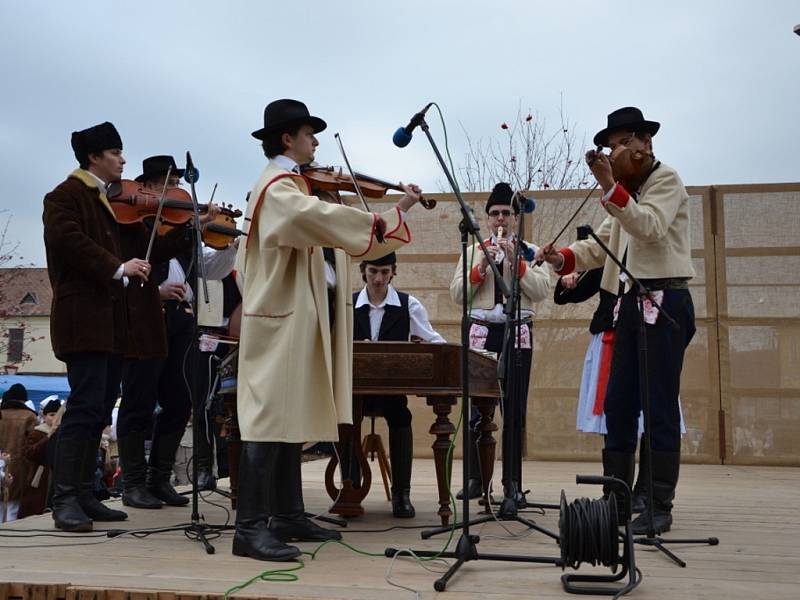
pixel 67 512
pixel 134 472
pixel 203 452
pixel 93 508
pixel 620 465
pixel 474 487
pixel 257 485
pixel 401 455
pixel 159 472
pixel 639 500
pixel 666 467
pixel 289 521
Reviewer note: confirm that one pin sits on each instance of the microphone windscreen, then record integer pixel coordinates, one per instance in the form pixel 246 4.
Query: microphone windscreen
pixel 191 175
pixel 530 205
pixel 401 137
pixel 528 253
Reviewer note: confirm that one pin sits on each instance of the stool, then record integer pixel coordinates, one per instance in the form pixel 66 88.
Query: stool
pixel 372 446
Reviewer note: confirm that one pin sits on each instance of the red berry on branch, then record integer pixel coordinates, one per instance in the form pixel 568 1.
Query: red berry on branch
pixel 503 126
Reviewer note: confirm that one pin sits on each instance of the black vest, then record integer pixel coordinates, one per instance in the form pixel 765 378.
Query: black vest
pixel 395 325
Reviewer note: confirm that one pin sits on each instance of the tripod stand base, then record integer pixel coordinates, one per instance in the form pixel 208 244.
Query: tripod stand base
pixel 427 533
pixel 658 542
pixel 465 551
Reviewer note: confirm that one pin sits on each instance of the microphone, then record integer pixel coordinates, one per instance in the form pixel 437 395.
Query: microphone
pixel 403 135
pixel 523 204
pixel 191 174
pixel 528 253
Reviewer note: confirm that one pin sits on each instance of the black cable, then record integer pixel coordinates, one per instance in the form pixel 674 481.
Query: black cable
pixel 589 534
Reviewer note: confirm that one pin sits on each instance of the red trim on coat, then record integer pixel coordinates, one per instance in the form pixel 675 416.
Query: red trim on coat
pixel 475 277
pixel 569 261
pixel 619 196
pixel 257 207
pixel 606 352
pixel 375 218
pixel 522 267
pixel 403 225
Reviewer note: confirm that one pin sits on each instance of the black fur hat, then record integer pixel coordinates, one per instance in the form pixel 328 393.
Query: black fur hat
pixel 501 194
pixel 94 140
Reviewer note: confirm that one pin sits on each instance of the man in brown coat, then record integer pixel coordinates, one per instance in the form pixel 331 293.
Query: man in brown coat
pixel 16 422
pixel 97 293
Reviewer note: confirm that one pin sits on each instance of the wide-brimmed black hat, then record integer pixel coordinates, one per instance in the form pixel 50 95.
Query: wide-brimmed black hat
pixel 286 112
pixel 629 118
pixel 502 195
pixel 94 140
pixel 389 259
pixel 154 167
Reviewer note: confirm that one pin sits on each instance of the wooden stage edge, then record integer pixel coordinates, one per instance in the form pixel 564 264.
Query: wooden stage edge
pixel 752 510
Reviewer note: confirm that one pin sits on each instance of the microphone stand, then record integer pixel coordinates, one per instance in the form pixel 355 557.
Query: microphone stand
pixel 651 539
pixel 466 548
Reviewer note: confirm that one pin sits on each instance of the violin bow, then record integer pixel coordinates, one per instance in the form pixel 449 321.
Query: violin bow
pixel 350 170
pixel 158 218
pixel 378 232
pixel 571 219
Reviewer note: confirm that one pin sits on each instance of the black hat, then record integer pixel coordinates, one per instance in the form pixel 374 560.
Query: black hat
pixel 16 392
pixel 501 194
pixel 94 140
pixel 287 112
pixel 154 167
pixel 51 407
pixel 629 118
pixel 389 259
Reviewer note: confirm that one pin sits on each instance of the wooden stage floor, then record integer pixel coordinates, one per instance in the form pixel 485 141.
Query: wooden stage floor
pixel 752 510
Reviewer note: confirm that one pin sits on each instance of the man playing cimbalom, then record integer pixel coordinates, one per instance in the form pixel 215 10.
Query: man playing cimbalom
pixel 647 227
pixel 487 310
pixel 384 314
pixel 295 351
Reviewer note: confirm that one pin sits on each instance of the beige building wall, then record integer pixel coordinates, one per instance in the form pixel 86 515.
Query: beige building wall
pixel 43 361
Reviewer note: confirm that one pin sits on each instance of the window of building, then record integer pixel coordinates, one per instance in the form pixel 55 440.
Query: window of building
pixel 29 298
pixel 15 343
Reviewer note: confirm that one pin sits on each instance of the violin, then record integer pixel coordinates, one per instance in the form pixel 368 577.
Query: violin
pixel 631 168
pixel 132 203
pixel 219 233
pixel 334 179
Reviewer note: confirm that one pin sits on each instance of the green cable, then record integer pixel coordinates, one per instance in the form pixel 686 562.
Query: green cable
pixel 274 575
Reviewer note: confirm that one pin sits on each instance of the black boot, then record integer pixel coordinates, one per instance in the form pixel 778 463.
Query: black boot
pixel 134 472
pixel 203 451
pixel 639 501
pixel 666 466
pixel 159 472
pixel 289 521
pixel 257 485
pixel 620 465
pixel 205 476
pixel 67 471
pixel 93 508
pixel 474 487
pixel 401 451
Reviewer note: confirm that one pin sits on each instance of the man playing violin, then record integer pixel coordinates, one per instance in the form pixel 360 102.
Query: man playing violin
pixel 295 351
pixel 648 228
pixel 93 320
pixel 487 311
pixel 160 377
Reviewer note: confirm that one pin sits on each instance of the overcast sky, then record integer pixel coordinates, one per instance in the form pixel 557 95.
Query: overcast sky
pixel 723 78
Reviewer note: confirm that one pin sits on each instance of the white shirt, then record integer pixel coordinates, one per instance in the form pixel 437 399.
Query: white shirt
pixel 218 264
pixel 420 325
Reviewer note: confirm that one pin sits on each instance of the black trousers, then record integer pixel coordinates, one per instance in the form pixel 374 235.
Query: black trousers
pixel 494 343
pixel 665 351
pixel 94 379
pixel 167 383
pixel 393 408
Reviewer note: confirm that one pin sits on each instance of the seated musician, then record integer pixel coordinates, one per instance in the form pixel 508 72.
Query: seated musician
pixel 384 314
pixel 487 309
pixel 295 350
